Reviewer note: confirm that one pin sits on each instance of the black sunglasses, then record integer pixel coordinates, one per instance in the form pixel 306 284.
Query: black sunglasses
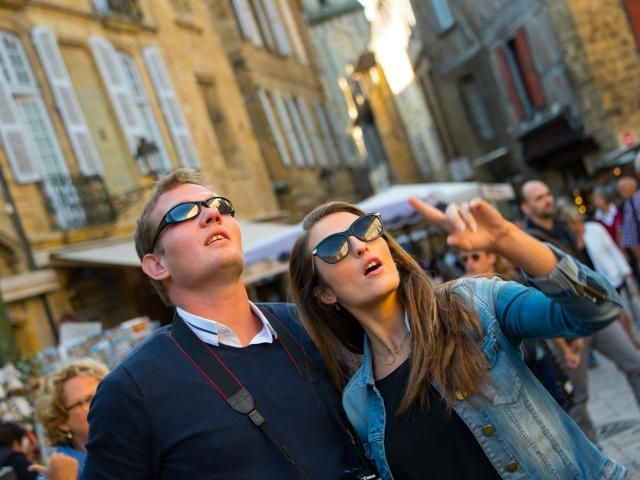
pixel 474 256
pixel 335 247
pixel 188 210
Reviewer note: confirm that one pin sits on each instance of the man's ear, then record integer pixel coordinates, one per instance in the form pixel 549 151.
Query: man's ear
pixel 325 295
pixel 153 267
pixel 525 209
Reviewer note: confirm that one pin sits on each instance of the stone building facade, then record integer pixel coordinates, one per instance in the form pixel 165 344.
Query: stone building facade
pixel 503 92
pixel 600 42
pixel 304 147
pixel 97 98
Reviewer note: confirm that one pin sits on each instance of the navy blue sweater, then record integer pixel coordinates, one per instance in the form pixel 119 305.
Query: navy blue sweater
pixel 155 416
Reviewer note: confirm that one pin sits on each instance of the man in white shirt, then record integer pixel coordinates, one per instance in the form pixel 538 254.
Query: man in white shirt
pixel 157 415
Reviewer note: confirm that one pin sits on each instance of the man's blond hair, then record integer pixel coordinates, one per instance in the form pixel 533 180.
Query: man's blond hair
pixel 146 228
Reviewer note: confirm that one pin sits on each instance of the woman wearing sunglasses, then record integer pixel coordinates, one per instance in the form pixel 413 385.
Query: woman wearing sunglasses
pixel 441 390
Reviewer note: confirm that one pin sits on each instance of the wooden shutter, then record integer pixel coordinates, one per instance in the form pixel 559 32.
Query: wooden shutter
pixel 15 141
pixel 171 108
pixel 274 127
pixel 633 12
pixel 67 102
pixel 246 21
pixel 509 82
pixel 299 128
pixel 289 19
pixel 326 133
pixel 288 129
pixel 121 99
pixel 310 127
pixel 529 71
pixel 279 32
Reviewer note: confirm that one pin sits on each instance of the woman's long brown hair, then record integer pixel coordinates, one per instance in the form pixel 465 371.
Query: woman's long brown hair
pixel 444 332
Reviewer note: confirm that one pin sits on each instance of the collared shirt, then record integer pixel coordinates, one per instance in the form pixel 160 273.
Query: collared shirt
pixel 214 333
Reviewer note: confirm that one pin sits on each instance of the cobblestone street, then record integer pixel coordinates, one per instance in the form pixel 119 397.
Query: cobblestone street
pixel 616 415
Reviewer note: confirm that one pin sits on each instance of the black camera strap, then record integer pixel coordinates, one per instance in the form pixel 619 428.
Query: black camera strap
pixel 238 397
pixel 225 383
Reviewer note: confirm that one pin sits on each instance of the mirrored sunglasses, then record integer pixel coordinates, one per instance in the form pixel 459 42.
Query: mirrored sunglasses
pixel 188 210
pixel 336 246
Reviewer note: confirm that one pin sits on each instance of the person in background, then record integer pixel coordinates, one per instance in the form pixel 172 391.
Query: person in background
pixel 14 448
pixel 605 255
pixel 538 204
pixel 607 213
pixel 63 406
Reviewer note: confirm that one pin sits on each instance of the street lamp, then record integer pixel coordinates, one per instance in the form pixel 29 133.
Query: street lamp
pixel 147 157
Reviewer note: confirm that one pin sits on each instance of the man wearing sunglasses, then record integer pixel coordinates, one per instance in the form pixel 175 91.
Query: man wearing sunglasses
pixel 538 204
pixel 158 415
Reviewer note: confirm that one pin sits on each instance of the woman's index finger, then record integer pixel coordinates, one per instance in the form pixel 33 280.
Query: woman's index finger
pixel 431 214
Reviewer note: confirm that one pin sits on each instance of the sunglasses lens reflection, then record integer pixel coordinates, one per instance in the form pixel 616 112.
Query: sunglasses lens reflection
pixel 333 249
pixel 367 228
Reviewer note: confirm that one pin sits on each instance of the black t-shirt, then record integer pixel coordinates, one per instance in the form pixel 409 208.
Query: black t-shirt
pixel 432 443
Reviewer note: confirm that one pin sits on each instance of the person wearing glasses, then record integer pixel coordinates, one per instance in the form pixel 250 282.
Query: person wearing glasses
pixel 157 415
pixel 62 410
pixel 441 390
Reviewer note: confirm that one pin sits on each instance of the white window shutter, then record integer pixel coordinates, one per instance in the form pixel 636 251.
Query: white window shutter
pixel 288 129
pixel 248 25
pixel 297 125
pixel 171 108
pixel 311 130
pixel 264 23
pixel 114 80
pixel 298 45
pixel 326 133
pixel 280 33
pixel 67 102
pixel 22 159
pixel 340 137
pixel 275 128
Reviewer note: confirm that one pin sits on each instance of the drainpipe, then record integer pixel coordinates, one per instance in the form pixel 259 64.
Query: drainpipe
pixel 26 248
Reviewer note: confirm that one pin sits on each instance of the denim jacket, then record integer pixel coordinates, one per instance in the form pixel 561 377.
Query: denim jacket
pixel 522 430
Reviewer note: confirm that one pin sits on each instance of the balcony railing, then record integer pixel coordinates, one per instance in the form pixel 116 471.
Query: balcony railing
pixel 129 9
pixel 78 201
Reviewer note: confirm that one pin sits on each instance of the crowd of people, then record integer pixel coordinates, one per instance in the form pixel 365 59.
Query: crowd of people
pixel 374 370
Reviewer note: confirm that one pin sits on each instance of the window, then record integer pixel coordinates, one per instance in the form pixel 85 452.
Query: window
pixel 288 129
pixel 246 22
pixel 298 46
pixel 442 13
pixel 299 129
pixel 274 127
pixel 476 108
pixel 326 132
pixel 310 127
pixel 67 102
pixel 275 27
pixel 28 136
pixel 160 163
pixel 520 75
pixel 171 108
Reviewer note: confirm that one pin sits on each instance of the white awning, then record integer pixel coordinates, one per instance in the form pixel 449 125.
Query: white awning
pixel 121 252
